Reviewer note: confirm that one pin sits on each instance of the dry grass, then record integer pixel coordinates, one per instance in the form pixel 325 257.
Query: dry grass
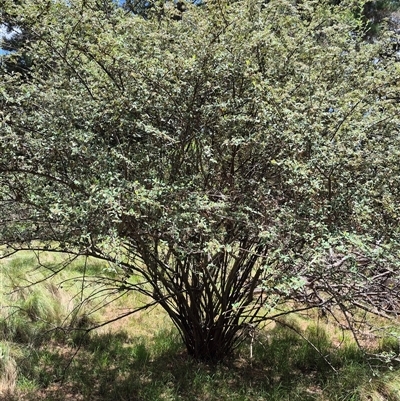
pixel 8 371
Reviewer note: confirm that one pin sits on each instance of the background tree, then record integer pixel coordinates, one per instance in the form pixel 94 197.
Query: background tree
pixel 18 34
pixel 236 165
pixel 375 13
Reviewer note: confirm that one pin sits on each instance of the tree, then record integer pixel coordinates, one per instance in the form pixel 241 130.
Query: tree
pixel 235 166
pixel 375 12
pixel 17 33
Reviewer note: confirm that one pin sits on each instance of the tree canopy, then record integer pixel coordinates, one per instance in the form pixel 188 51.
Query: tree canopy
pixel 231 164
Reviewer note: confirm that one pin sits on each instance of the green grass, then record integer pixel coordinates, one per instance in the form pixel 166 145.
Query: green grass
pixel 46 354
pixel 116 366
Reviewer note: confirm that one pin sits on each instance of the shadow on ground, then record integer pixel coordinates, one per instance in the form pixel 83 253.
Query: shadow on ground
pixel 113 366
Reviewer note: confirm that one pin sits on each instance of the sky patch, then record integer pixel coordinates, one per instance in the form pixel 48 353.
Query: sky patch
pixel 5 33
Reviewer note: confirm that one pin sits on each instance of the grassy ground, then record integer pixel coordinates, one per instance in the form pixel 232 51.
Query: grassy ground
pixel 46 355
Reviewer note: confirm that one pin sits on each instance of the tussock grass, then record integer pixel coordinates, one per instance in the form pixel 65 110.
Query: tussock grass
pixel 8 370
pixel 385 387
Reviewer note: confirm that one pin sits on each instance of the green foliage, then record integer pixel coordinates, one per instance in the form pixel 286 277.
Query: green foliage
pixel 250 148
